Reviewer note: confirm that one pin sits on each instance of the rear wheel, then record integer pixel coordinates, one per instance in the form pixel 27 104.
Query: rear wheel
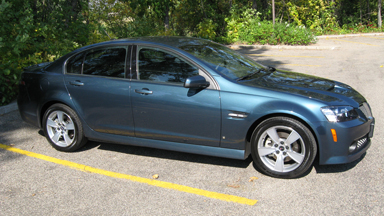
pixel 63 129
pixel 283 147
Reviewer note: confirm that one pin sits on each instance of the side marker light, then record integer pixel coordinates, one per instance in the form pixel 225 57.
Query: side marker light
pixel 334 135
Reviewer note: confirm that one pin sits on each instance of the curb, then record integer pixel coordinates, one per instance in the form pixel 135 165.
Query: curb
pixel 287 47
pixel 350 35
pixel 8 108
pixel 266 47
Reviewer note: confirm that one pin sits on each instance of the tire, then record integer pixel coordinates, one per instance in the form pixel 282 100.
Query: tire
pixel 63 128
pixel 283 147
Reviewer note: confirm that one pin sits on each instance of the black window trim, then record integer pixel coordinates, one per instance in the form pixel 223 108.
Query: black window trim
pixel 128 60
pixel 133 71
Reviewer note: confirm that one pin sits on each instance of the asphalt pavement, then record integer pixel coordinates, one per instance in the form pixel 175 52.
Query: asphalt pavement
pixel 104 178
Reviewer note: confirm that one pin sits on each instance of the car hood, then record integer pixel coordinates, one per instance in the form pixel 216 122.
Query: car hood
pixel 308 86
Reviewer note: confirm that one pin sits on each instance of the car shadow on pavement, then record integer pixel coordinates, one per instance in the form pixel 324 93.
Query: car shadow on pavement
pixel 165 154
pixel 181 156
pixel 337 168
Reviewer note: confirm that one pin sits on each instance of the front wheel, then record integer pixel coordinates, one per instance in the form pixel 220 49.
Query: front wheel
pixel 283 147
pixel 63 129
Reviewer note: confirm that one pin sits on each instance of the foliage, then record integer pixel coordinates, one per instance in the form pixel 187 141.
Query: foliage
pixel 265 32
pixel 241 20
pixel 352 12
pixel 245 25
pixel 16 35
pixel 206 29
pixel 315 14
pixel 354 28
pixel 35 31
pixel 157 9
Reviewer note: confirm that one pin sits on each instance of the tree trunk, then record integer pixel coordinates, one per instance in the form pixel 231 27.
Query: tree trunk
pixel 76 9
pixel 202 6
pixel 379 14
pixel 34 8
pixel 361 13
pixel 368 13
pixel 254 5
pixel 71 4
pixel 88 8
pixel 273 12
pixel 264 4
pixel 166 18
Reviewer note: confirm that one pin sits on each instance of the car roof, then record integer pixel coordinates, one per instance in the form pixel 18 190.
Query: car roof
pixel 170 41
pixel 175 41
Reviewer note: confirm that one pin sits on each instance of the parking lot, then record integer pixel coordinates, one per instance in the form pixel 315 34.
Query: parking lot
pixel 103 178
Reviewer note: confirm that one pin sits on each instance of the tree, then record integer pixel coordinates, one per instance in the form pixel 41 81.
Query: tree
pixel 379 21
pixel 35 31
pixel 160 9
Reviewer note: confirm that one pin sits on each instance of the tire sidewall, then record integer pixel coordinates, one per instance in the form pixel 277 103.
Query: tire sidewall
pixel 304 132
pixel 79 137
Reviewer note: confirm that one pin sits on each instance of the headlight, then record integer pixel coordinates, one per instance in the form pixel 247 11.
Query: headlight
pixel 340 113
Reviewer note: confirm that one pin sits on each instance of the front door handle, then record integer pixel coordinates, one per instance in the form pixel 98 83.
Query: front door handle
pixel 143 91
pixel 76 83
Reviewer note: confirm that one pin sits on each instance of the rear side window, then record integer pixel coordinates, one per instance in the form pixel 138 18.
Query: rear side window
pixel 109 62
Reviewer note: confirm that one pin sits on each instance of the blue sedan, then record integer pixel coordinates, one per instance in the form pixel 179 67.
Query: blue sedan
pixel 196 96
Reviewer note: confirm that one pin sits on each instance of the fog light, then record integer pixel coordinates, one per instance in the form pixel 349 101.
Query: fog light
pixel 352 147
pixel 334 135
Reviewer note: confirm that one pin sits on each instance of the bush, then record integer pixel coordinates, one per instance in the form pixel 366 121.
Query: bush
pixel 354 28
pixel 239 21
pixel 265 32
pixel 245 25
pixel 206 29
pixel 28 38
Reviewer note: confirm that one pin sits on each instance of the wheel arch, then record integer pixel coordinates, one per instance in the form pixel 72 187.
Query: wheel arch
pixel 45 107
pixel 258 121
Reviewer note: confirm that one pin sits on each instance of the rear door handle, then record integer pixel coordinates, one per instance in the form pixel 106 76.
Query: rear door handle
pixel 143 91
pixel 76 83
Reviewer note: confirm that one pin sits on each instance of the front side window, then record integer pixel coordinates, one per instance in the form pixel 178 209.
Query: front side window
pixel 75 64
pixel 161 66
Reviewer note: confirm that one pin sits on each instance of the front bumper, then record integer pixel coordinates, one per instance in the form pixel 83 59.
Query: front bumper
pixel 353 140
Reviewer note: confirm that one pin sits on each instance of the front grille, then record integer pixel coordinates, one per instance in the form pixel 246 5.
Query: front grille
pixel 366 110
pixel 361 142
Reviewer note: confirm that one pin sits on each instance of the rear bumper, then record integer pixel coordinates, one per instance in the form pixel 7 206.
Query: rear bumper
pixel 27 109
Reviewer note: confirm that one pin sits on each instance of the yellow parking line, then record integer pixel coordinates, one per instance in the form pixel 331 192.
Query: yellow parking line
pixel 373 37
pixel 355 42
pixel 287 56
pixel 157 183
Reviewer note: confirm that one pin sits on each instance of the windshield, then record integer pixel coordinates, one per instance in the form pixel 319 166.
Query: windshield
pixel 228 62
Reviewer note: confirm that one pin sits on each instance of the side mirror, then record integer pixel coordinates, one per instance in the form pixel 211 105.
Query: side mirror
pixel 196 82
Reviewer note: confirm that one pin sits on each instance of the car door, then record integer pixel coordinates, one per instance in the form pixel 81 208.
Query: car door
pixel 96 81
pixel 163 109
